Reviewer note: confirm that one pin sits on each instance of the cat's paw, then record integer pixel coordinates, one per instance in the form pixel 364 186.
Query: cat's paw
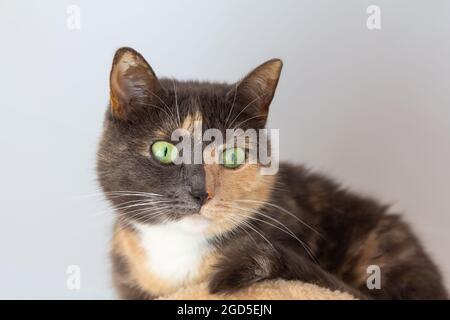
pixel 236 275
pixel 227 281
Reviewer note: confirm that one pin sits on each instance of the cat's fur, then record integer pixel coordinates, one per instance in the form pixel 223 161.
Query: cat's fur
pixel 236 227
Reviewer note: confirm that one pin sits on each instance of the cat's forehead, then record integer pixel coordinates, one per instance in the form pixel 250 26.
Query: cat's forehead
pixel 192 101
pixel 195 89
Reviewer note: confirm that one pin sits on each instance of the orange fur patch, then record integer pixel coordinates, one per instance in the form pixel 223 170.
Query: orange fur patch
pixel 229 186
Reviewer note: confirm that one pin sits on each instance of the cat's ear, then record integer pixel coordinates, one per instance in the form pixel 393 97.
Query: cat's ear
pixel 256 90
pixel 132 82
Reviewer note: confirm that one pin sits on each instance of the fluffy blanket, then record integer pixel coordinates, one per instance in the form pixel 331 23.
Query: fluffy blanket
pixel 267 290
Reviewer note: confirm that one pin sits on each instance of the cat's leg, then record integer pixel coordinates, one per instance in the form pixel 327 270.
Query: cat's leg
pixel 129 291
pixel 125 287
pixel 243 266
pixel 405 270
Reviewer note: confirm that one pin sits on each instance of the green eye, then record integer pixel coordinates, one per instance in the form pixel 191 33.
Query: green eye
pixel 233 158
pixel 164 152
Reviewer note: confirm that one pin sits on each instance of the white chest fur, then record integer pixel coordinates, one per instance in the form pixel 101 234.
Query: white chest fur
pixel 175 250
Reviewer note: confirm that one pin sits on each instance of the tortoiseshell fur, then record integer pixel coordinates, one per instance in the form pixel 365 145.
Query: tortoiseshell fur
pixel 306 227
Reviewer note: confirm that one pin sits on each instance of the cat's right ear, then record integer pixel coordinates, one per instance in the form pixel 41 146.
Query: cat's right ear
pixel 132 82
pixel 255 91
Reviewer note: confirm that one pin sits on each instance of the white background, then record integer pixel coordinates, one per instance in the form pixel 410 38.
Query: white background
pixel 370 108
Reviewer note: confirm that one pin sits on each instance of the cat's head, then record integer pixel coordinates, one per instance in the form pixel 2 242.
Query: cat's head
pixel 135 163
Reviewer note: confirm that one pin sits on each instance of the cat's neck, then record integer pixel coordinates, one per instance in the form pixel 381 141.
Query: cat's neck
pixel 175 250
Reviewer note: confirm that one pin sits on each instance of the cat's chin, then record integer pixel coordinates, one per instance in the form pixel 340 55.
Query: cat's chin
pixel 194 223
pixel 190 224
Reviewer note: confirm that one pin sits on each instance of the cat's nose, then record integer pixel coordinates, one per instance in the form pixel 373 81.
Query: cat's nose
pixel 200 195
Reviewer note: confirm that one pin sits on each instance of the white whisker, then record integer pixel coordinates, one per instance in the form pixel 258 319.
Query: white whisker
pixel 176 102
pixel 283 210
pixel 260 233
pixel 232 105
pixel 249 104
pixel 287 230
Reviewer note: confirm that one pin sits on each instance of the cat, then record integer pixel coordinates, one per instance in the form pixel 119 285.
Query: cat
pixel 226 223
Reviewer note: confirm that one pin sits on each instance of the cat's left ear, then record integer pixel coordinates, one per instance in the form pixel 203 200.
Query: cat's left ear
pixel 133 83
pixel 256 90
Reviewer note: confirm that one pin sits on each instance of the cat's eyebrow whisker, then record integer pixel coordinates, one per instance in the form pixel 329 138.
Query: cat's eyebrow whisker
pixel 285 211
pixel 171 116
pixel 234 101
pixel 249 104
pixel 159 98
pixel 254 117
pixel 176 102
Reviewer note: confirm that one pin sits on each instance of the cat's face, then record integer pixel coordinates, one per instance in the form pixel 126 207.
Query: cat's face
pixel 144 112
